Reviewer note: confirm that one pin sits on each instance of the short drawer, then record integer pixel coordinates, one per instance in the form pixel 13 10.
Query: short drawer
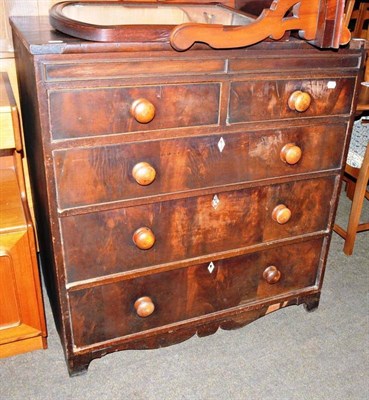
pixel 103 174
pixel 260 100
pixel 111 311
pixel 130 238
pixel 103 111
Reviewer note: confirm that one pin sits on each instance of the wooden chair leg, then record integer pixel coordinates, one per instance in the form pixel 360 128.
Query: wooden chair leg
pixel 350 189
pixel 348 11
pixel 357 205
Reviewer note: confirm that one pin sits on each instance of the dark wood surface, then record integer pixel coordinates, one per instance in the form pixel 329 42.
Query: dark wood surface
pixel 83 143
pixel 105 173
pixel 192 292
pixel 175 106
pixel 245 106
pixel 100 244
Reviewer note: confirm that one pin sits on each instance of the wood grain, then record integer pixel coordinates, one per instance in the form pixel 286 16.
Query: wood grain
pixel 191 227
pixel 188 293
pixel 272 99
pixel 22 321
pixel 176 106
pixel 104 173
pixel 83 145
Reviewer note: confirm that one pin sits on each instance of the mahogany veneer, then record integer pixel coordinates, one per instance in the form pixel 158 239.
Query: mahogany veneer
pixel 180 192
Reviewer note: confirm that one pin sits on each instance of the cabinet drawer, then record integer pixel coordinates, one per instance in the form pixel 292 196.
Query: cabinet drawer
pixel 267 100
pixel 86 176
pixel 104 111
pixel 102 243
pixel 107 312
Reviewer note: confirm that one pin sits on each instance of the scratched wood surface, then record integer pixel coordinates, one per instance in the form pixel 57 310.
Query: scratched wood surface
pixel 90 206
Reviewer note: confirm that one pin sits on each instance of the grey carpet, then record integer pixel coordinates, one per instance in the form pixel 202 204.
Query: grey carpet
pixel 290 354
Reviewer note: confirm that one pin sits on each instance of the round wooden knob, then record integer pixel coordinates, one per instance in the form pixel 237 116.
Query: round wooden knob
pixel 272 274
pixel 144 173
pixel 144 306
pixel 144 238
pixel 143 111
pixel 299 101
pixel 291 154
pixel 281 214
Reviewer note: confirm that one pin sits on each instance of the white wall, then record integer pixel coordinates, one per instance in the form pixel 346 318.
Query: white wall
pixel 18 8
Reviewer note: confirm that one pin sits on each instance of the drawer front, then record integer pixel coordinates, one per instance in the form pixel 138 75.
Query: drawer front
pixel 104 111
pixel 123 67
pixel 267 100
pixel 86 176
pixel 107 312
pixel 102 243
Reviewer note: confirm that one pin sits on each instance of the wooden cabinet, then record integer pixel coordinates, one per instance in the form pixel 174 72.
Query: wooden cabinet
pixel 180 192
pixel 22 321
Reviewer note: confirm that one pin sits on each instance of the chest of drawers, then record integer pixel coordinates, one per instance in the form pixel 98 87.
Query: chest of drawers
pixel 180 192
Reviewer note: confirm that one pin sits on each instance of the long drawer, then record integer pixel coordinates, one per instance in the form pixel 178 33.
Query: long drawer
pixel 114 241
pixel 260 100
pixel 102 174
pixel 103 111
pixel 108 311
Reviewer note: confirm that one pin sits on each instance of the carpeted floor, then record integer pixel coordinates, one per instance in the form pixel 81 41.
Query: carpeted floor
pixel 287 355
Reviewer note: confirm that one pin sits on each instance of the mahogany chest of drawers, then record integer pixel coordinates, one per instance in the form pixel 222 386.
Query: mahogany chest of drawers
pixel 180 192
